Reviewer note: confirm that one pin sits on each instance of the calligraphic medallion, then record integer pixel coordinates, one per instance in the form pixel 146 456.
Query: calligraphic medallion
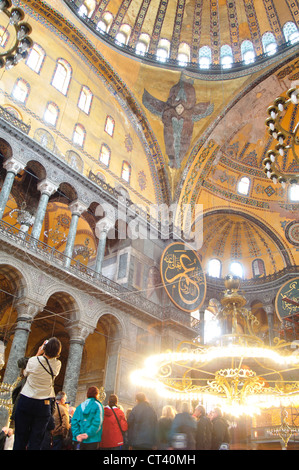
pixel 183 277
pixel 287 299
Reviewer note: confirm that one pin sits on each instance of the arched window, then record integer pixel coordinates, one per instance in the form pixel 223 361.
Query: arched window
pixel 214 267
pixel 87 8
pixel 204 57
pixel 36 58
pixel 121 38
pixel 142 44
pixel 226 56
pixel 109 125
pixel 294 193
pixel 75 161
pixel 258 268
pixel 244 185
pixel 247 52
pixel 105 22
pixel 126 171
pixel 236 269
pixel 21 90
pixel 79 135
pixel 183 54
pixel 85 99
pixel 291 32
pixel 51 114
pixel 105 154
pixel 269 43
pixel 163 50
pixel 62 76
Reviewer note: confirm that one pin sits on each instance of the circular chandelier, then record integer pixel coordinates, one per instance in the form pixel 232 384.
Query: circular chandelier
pixel 238 373
pixel 14 35
pixel 287 139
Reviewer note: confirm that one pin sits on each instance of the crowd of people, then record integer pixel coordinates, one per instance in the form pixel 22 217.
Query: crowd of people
pixel 41 421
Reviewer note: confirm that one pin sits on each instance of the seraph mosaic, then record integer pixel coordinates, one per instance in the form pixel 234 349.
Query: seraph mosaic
pixel 178 114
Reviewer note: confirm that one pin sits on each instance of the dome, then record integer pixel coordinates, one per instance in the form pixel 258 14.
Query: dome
pixel 240 245
pixel 201 35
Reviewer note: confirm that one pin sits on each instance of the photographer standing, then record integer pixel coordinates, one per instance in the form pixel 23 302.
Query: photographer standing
pixel 34 406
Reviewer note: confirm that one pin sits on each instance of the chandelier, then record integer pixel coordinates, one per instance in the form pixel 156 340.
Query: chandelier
pixel 14 35
pixel 287 138
pixel 238 372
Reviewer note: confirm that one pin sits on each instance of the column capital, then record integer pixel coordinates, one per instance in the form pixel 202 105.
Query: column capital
pixel 46 187
pixel 103 226
pixel 77 207
pixel 79 332
pixel 14 166
pixel 27 309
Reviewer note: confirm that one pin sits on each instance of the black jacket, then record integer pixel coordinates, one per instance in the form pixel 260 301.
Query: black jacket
pixel 142 426
pixel 220 433
pixel 203 433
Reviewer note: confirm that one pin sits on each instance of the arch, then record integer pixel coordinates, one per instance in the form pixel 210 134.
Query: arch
pixel 259 223
pixel 5 149
pixel 79 135
pixel 21 90
pixel 62 76
pixel 269 43
pixel 51 113
pixel 74 160
pixel 36 58
pixel 44 138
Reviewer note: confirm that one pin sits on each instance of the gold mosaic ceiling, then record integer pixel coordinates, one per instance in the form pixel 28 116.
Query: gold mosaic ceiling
pixel 196 23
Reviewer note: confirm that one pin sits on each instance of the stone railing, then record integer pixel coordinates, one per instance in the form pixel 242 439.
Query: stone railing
pixel 57 259
pixel 4 114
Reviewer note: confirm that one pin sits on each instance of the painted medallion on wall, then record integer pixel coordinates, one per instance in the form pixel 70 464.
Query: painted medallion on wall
pixel 287 299
pixel 183 277
pixel 292 232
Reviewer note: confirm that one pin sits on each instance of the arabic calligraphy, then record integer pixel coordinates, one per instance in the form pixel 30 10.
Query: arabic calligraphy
pixel 287 299
pixel 182 276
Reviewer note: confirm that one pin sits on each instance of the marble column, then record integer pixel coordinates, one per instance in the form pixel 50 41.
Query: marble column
pixel 47 189
pixel 101 230
pixel 78 334
pixel 269 309
pixel 13 167
pixel 27 310
pixel 77 209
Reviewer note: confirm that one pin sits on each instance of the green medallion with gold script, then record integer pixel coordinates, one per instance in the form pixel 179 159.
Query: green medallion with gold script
pixel 287 299
pixel 183 277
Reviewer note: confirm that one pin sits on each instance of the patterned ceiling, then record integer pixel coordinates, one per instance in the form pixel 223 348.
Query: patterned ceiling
pixel 190 25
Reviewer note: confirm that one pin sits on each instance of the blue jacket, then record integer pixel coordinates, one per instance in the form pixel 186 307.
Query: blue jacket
pixel 88 418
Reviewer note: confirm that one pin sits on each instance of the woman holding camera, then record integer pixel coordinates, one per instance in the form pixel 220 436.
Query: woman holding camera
pixel 34 406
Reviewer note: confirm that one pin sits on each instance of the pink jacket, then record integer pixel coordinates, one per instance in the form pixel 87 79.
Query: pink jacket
pixel 112 435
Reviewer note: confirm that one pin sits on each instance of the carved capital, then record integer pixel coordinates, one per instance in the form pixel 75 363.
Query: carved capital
pixel 47 187
pixel 79 332
pixel 77 207
pixel 103 226
pixel 13 166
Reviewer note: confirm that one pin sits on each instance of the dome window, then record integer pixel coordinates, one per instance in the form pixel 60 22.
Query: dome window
pixel 214 267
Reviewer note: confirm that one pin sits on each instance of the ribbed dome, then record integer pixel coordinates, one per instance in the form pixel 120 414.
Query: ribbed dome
pixel 194 28
pixel 234 238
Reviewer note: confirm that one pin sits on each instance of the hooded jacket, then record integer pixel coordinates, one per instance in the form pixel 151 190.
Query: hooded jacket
pixel 88 418
pixel 112 435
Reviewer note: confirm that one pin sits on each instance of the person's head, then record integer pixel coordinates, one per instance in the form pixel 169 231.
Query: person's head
pixel 216 413
pixel 168 412
pixel 184 407
pixel 93 392
pixel 112 400
pixel 140 397
pixel 199 411
pixel 52 348
pixel 61 397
